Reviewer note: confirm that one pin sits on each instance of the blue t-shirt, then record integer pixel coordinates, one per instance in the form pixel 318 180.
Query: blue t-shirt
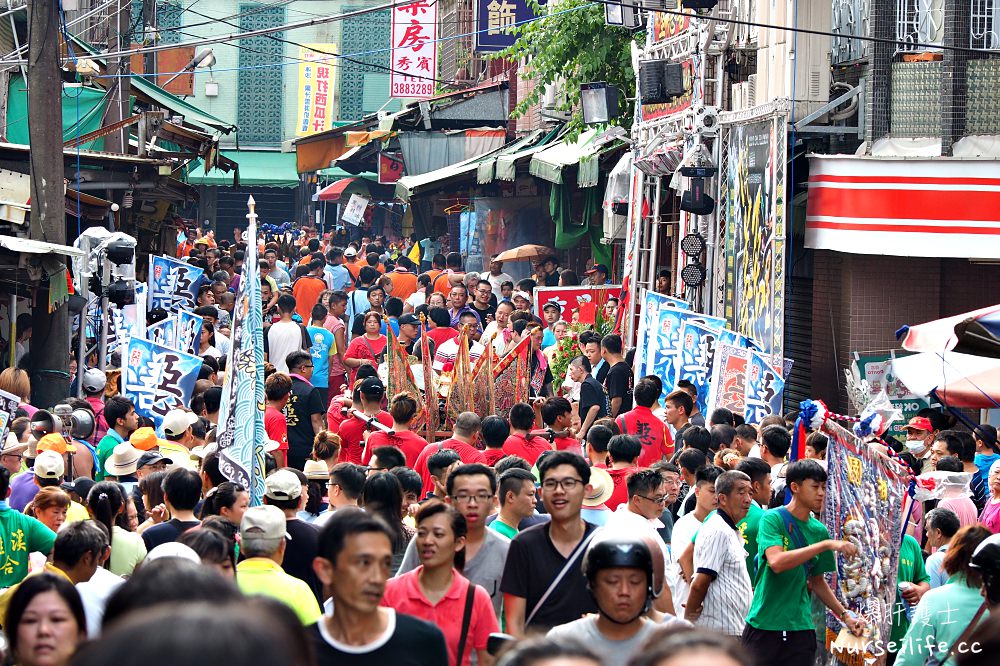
pixel 322 342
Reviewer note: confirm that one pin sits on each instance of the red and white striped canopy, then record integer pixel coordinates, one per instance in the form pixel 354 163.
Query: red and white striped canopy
pixel 913 207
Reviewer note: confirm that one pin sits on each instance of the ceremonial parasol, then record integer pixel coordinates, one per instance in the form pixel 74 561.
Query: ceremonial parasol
pixel 958 380
pixel 525 252
pixel 976 332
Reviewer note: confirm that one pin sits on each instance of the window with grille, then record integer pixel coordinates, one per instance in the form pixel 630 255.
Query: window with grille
pixel 361 86
pixel 919 22
pixel 261 96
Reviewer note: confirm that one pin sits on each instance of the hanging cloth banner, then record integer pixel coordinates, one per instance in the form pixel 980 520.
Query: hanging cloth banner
pixel 172 283
pixel 510 377
pixel 241 412
pixel 400 379
pixel 188 331
pixel 158 379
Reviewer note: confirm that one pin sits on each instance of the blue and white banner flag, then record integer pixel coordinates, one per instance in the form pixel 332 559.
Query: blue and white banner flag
pixel 172 283
pixel 764 388
pixel 163 333
pixel 158 379
pixel 188 331
pixel 241 415
pixel 695 359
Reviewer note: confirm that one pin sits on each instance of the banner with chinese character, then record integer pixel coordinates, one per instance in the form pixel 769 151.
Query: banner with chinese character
pixel 317 83
pixel 123 325
pixel 695 358
pixel 172 283
pixel 158 379
pixel 188 331
pixel 163 333
pixel 577 305
pixel 8 405
pixel 241 412
pixel 764 388
pixel 414 49
pixel 494 20
pixel 865 495
pixel 729 377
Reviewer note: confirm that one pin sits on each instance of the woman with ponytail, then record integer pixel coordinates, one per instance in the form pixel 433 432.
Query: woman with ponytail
pixel 229 500
pixel 106 502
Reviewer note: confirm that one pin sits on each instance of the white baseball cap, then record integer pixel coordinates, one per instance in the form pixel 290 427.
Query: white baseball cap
pixel 94 380
pixel 282 485
pixel 177 421
pixel 49 465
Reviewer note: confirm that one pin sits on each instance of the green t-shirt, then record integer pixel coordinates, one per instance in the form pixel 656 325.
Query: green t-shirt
pixel 748 530
pixel 911 570
pixel 503 528
pixel 105 448
pixel 781 601
pixel 19 536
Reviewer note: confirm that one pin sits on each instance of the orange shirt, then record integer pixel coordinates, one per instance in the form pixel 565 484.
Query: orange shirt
pixel 404 284
pixel 442 283
pixel 184 249
pixel 306 291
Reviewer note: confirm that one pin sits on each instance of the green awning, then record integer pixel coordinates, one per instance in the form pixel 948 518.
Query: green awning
pixel 82 112
pixel 504 167
pixel 161 97
pixel 259 168
pixel 548 164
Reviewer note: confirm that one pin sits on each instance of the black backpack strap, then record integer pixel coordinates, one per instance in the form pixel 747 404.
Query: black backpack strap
pixel 470 596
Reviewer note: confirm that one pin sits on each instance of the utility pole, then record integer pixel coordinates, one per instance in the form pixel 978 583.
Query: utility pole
pixel 118 107
pixel 50 331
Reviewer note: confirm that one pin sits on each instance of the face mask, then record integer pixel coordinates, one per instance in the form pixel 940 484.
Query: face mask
pixel 915 446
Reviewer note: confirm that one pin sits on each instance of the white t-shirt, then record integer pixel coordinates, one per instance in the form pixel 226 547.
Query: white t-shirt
pixel 684 531
pixel 496 280
pixel 611 653
pixel 719 549
pixel 282 339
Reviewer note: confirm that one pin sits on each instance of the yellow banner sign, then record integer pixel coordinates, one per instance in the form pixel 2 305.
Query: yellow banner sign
pixel 317 86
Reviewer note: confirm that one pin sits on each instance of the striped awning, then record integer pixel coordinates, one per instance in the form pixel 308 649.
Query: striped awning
pixel 907 207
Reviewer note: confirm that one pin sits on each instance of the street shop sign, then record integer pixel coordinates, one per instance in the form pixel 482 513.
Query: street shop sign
pixel 495 20
pixel 414 50
pixel 354 212
pixel 317 83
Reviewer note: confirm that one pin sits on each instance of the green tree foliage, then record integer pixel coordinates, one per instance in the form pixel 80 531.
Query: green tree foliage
pixel 575 47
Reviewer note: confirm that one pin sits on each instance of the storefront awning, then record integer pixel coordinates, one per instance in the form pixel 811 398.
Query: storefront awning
pixel 256 167
pixel 504 166
pixel 917 207
pixel 344 188
pixel 28 246
pixel 549 164
pixel 407 186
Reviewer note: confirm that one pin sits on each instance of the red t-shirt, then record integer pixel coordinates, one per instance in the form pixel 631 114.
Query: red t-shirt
pixel 411 444
pixel 333 416
pixel 493 455
pixel 641 423
pixel 620 494
pixel 528 448
pixel 441 335
pixel 568 444
pixel 351 431
pixel 276 427
pixel 404 594
pixel 468 454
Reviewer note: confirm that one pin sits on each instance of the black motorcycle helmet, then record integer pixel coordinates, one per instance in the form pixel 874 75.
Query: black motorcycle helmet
pixel 986 560
pixel 610 550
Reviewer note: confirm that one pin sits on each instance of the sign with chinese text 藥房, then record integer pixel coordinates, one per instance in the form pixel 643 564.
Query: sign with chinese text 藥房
pixel 414 49
pixel 317 83
pixel 495 20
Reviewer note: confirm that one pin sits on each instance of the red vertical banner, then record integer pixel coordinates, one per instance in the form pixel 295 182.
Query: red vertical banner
pixel 414 49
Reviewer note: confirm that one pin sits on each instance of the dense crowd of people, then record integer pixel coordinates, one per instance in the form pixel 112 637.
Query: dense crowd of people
pixel 598 523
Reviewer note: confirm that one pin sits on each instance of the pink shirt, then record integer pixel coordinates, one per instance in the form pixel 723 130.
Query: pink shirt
pixel 403 593
pixel 990 517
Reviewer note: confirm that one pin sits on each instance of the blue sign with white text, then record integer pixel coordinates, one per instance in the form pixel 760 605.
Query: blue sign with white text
pixel 495 20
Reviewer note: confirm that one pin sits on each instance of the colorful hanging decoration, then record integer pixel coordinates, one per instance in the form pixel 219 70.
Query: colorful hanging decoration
pixel 460 394
pixel 483 388
pixel 510 377
pixel 399 376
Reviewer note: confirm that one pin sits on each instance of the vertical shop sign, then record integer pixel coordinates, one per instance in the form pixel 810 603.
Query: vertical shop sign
pixel 316 88
pixel 495 20
pixel 414 49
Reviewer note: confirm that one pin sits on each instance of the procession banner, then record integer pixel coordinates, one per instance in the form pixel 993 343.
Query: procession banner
pixel 188 331
pixel 755 178
pixel 876 368
pixel 414 49
pixel 460 391
pixel 172 283
pixel 864 505
pixel 696 357
pixel 510 377
pixel 650 306
pixel 431 402
pixel 8 405
pixel 729 378
pixel 577 305
pixel 158 378
pixel 317 83
pixel 163 333
pixel 400 379
pixel 123 325
pixel 241 412
pixel 764 388
pixel 483 389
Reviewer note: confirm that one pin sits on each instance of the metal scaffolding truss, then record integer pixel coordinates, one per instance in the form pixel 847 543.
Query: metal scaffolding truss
pixel 776 107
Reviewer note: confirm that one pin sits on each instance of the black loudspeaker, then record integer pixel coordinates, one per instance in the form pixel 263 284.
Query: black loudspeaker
pixel 695 200
pixel 651 81
pixel 704 5
pixel 673 80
